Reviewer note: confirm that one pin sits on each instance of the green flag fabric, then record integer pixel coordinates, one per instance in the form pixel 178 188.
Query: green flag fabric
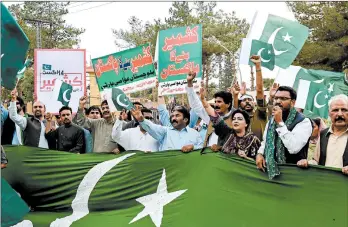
pixel 28 63
pixel 13 208
pixel 265 51
pixel 171 189
pixel 64 94
pixel 287 38
pixel 14 46
pixel 314 88
pixel 120 100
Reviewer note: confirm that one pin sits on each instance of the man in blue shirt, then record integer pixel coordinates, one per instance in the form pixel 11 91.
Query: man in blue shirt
pixel 178 136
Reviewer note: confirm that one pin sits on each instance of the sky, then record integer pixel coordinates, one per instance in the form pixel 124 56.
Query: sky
pixel 99 18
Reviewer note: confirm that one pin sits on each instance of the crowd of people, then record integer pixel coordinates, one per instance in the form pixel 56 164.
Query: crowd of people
pixel 268 132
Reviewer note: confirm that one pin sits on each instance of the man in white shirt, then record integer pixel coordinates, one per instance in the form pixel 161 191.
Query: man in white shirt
pixel 33 127
pixel 135 138
pixel 287 134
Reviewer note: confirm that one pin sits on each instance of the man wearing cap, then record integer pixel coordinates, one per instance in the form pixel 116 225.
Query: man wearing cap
pixel 258 115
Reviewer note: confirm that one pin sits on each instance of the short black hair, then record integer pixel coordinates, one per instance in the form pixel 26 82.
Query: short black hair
pixel 245 115
pixel 138 103
pixel 92 108
pixel 65 108
pixel 293 94
pixel 105 102
pixel 226 96
pixel 146 110
pixel 22 104
pixel 184 111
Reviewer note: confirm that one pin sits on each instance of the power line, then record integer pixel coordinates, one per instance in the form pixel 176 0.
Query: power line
pixel 90 8
pixel 73 6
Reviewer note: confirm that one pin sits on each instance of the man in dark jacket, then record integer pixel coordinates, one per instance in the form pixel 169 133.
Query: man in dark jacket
pixel 69 136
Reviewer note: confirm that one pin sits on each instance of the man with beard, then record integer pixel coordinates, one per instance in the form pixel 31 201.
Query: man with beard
pixel 13 134
pixel 332 146
pixel 177 136
pixel 69 137
pixel 135 138
pixel 258 115
pixel 223 106
pixel 101 128
pixel 34 126
pixel 287 134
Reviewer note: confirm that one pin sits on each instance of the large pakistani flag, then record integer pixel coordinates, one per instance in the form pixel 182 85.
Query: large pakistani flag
pixel 136 189
pixel 314 88
pixel 286 36
pixel 62 92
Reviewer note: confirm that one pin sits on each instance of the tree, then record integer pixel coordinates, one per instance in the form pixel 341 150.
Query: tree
pixel 327 46
pixel 55 33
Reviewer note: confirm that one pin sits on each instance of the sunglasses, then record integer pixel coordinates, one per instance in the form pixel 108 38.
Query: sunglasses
pixel 149 118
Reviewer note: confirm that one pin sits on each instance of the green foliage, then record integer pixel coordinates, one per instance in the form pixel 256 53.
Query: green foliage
pixel 327 47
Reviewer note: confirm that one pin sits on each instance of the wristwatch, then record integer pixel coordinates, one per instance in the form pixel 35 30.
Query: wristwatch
pixel 280 124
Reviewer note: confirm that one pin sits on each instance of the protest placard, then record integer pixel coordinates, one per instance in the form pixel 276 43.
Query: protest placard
pixel 63 65
pixel 179 52
pixel 130 70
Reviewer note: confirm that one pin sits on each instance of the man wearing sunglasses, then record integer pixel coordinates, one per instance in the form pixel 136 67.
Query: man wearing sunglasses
pixel 135 138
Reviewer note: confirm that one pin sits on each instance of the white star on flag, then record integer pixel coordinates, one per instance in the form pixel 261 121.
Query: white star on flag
pixel 331 85
pixel 287 37
pixel 326 96
pixel 154 203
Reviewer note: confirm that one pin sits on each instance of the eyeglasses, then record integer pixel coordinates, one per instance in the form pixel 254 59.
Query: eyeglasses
pixel 282 99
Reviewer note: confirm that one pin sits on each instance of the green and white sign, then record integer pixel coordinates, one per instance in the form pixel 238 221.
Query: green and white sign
pixel 130 70
pixel 179 52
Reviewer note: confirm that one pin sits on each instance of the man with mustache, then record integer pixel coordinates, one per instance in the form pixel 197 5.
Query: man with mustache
pixel 287 134
pixel 69 137
pixel 332 146
pixel 12 134
pixel 101 128
pixel 177 136
pixel 34 126
pixel 258 115
pixel 223 106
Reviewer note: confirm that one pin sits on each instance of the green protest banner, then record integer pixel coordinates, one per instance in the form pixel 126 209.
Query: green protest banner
pixel 130 70
pixel 179 51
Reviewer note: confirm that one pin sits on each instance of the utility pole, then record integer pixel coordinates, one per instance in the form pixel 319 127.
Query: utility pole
pixel 38 24
pixel 252 78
